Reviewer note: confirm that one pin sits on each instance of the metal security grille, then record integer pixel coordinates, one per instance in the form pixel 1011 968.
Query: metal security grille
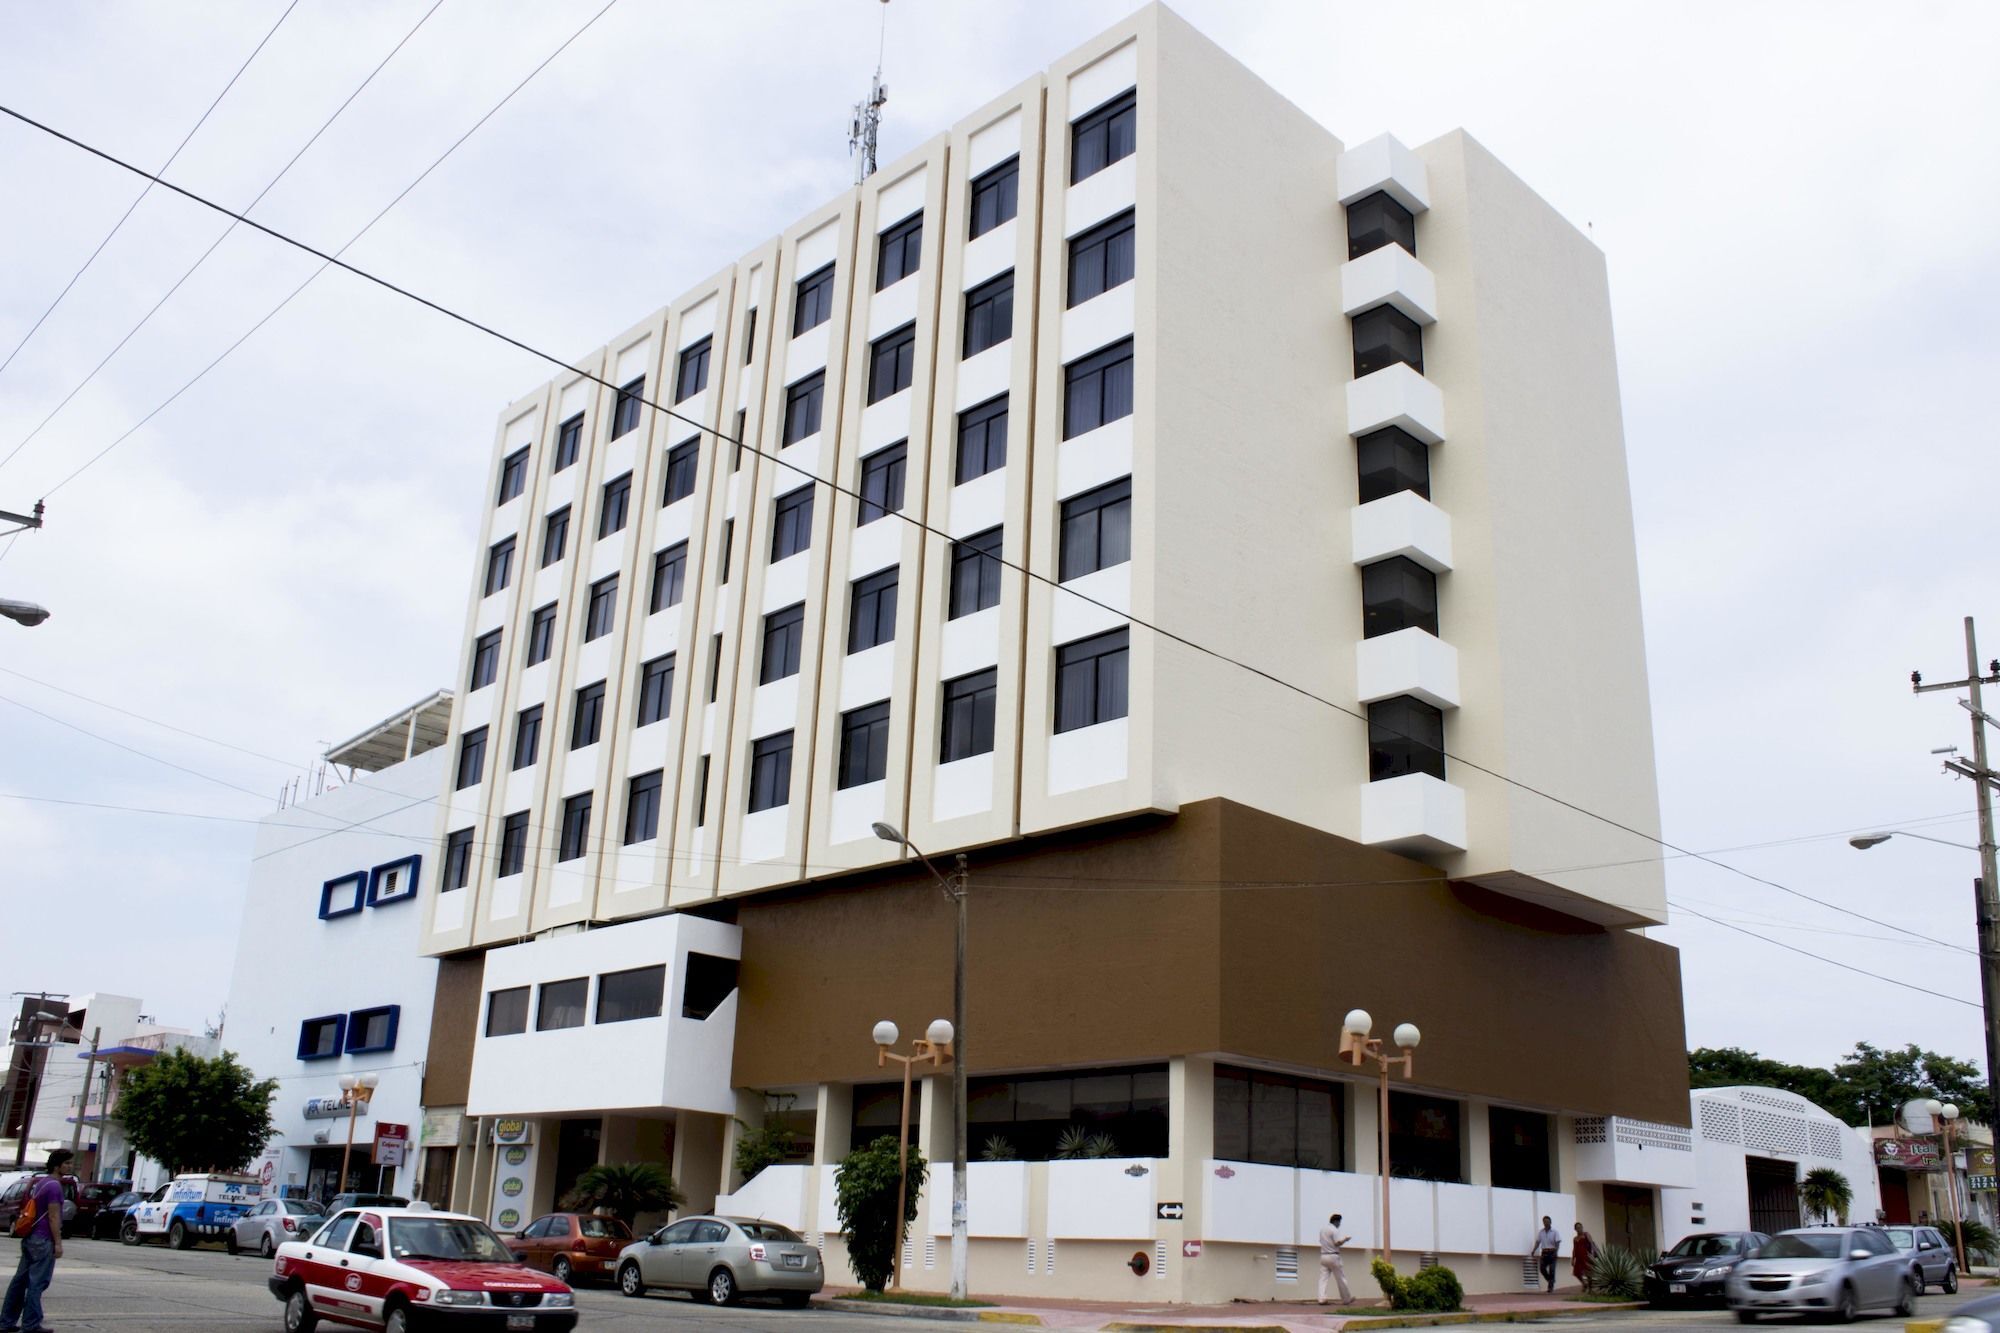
pixel 1287 1265
pixel 930 1251
pixel 1031 1256
pixel 1049 1259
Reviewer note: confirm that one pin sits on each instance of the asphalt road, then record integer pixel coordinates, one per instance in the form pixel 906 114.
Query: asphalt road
pixel 104 1285
pixel 1712 1320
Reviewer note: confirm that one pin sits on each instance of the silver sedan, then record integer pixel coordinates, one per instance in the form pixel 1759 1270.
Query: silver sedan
pixel 271 1223
pixel 721 1258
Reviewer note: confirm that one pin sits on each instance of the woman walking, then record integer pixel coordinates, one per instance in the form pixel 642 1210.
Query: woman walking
pixel 1582 1250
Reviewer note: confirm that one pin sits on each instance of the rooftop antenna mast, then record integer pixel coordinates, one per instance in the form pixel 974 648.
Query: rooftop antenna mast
pixel 866 125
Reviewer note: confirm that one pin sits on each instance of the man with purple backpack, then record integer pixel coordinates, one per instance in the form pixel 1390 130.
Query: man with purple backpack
pixel 40 1230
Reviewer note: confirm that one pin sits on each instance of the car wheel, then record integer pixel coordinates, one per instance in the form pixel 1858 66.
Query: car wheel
pixel 1907 1306
pixel 129 1233
pixel 229 1241
pixel 267 1247
pixel 1951 1280
pixel 299 1316
pixel 1918 1275
pixel 1746 1316
pixel 630 1282
pixel 398 1320
pixel 560 1268
pixel 722 1287
pixel 1843 1309
pixel 177 1236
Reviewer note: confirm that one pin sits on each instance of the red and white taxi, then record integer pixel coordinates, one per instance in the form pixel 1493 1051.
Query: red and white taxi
pixel 404 1269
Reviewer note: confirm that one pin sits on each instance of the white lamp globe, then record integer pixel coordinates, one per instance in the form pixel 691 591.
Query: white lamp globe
pixel 940 1032
pixel 1934 1106
pixel 886 1033
pixel 1358 1021
pixel 368 1080
pixel 1949 1111
pixel 1407 1036
pixel 347 1082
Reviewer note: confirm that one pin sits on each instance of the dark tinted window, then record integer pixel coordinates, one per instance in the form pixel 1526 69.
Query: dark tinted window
pixel 471 758
pixel 560 1005
pixel 975 573
pixel 693 376
pixel 771 772
pixel 814 305
pixel 791 523
pixel 1385 336
pixel 710 980
pixel 864 745
pixel 527 736
pixel 1097 389
pixel 989 314
pixel 996 196
pixel 513 475
pixel 514 843
pixel 749 344
pixel 617 500
pixel 1391 460
pixel 892 360
pixel 1281 1121
pixel 1097 529
pixel 542 634
pixel 1377 221
pixel 656 690
pixel 784 633
pixel 588 719
pixel 872 612
pixel 900 249
pixel 569 442
pixel 1103 136
pixel 457 860
pixel 621 997
pixel 1397 593
pixel 1405 735
pixel 499 566
pixel 681 462
pixel 701 792
pixel 968 715
pixel 669 576
pixel 625 412
pixel 1425 1137
pixel 1091 679
pixel 642 810
pixel 882 482
pixel 728 548
pixel 802 407
pixel 1521 1158
pixel 485 659
pixel 555 537
pixel 1034 1113
pixel 507 1011
pixel 603 610
pixel 982 439
pixel 1101 258
pixel 575 827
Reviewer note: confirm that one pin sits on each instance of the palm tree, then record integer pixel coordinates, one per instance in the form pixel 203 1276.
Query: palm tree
pixel 1826 1192
pixel 625 1189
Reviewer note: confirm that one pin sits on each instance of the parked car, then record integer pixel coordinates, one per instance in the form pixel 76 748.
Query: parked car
pixel 110 1216
pixel 1698 1265
pixel 1930 1255
pixel 193 1208
pixel 272 1223
pixel 340 1203
pixel 401 1268
pixel 572 1245
pixel 90 1201
pixel 16 1196
pixel 721 1258
pixel 1833 1271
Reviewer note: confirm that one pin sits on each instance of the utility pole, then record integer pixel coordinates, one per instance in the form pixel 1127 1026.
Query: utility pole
pixel 83 1102
pixel 1986 889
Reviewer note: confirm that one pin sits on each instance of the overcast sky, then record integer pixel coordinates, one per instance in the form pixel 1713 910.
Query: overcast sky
pixel 1796 202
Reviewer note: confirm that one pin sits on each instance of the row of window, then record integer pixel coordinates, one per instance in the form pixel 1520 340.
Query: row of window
pixel 622 997
pixel 362 1032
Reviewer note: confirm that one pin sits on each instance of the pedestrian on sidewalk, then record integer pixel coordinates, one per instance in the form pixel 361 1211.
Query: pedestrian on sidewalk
pixel 1330 1241
pixel 41 1246
pixel 1582 1249
pixel 1548 1242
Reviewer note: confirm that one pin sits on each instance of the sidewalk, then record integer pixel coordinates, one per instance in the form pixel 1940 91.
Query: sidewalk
pixel 1289 1316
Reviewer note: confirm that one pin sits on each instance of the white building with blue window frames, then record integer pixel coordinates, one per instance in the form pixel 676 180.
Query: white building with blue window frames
pixel 328 980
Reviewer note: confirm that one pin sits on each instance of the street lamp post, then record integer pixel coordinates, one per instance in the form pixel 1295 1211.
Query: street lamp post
pixel 1946 1114
pixel 954 888
pixel 356 1090
pixel 1357 1048
pixel 933 1048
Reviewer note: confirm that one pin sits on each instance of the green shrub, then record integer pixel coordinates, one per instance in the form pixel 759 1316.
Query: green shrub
pixel 769 1143
pixel 865 1197
pixel 1617 1271
pixel 1077 1143
pixel 1433 1290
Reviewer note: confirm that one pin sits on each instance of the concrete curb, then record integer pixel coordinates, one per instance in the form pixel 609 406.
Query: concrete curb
pixel 1583 1310
pixel 1183 1328
pixel 956 1314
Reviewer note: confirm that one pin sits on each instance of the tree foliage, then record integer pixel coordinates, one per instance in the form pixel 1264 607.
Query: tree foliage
pixel 625 1190
pixel 1868 1087
pixel 190 1113
pixel 865 1197
pixel 1826 1192
pixel 1433 1289
pixel 1979 1239
pixel 769 1143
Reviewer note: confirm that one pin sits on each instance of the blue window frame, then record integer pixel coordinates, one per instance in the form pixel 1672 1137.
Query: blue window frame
pixel 322 1038
pixel 371 1030
pixel 343 895
pixel 394 881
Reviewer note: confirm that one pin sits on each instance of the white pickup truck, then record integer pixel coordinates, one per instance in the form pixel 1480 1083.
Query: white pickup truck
pixel 193 1209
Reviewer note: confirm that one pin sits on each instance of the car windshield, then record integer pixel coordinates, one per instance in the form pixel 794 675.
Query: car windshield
pixel 1901 1237
pixel 303 1207
pixel 603 1228
pixel 769 1231
pixel 1805 1245
pixel 127 1199
pixel 1702 1247
pixel 456 1238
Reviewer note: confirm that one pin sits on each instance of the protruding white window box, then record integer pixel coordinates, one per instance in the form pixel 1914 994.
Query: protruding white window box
pixel 1415 813
pixel 1383 163
pixel 1396 396
pixel 1402 524
pixel 1389 274
pixel 1409 661
pixel 1634 1152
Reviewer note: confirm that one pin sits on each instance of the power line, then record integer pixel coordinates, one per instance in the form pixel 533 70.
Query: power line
pixel 217 242
pixel 153 721
pixel 116 226
pixel 334 260
pixel 224 355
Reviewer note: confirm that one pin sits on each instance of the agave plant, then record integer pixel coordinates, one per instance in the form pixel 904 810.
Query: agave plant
pixel 1618 1272
pixel 998 1148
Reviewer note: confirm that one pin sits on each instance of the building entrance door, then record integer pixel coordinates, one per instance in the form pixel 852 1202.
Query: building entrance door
pixel 1774 1194
pixel 578 1146
pixel 1628 1219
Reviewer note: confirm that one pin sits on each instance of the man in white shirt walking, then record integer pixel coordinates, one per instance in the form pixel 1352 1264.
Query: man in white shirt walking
pixel 1548 1242
pixel 1330 1241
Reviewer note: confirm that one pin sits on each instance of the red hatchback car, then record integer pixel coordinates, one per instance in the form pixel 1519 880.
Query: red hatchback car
pixel 572 1245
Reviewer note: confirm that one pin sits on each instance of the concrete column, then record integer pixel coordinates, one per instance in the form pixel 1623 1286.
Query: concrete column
pixel 1478 1138
pixel 698 1161
pixel 833 1124
pixel 1190 1141
pixel 749 1116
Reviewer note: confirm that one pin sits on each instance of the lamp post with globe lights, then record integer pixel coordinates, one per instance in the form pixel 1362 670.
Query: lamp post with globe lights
pixel 356 1090
pixel 1358 1048
pixel 933 1048
pixel 1946 1116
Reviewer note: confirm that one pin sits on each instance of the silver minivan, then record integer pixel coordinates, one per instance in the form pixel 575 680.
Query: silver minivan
pixel 1930 1255
pixel 1834 1271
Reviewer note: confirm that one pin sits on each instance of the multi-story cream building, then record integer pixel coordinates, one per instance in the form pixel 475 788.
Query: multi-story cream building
pixel 1151 498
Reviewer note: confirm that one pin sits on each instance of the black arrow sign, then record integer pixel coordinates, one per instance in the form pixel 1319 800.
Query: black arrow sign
pixel 1170 1212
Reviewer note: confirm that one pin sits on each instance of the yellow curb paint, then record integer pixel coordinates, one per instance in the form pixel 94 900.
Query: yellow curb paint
pixel 1009 1317
pixel 1923 1326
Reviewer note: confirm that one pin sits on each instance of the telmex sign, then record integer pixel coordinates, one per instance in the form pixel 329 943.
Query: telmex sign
pixel 330 1108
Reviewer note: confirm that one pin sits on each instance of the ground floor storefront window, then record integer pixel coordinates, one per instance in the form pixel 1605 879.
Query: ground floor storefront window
pixel 1075 1113
pixel 1426 1137
pixel 1279 1120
